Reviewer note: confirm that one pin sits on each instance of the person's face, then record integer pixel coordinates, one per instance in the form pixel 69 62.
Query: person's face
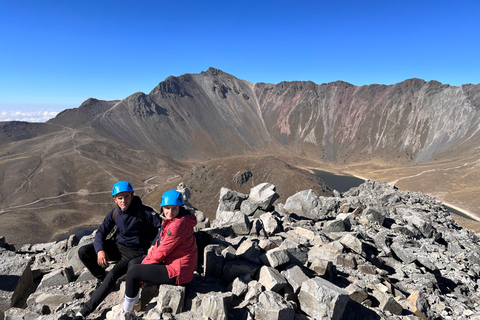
pixel 123 200
pixel 171 212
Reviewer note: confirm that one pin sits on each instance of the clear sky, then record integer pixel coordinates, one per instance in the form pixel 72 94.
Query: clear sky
pixel 55 54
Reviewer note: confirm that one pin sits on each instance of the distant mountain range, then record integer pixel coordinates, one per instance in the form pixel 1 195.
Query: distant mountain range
pixel 201 128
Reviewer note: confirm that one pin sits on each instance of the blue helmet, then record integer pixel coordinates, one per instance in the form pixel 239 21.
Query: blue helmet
pixel 172 198
pixel 121 186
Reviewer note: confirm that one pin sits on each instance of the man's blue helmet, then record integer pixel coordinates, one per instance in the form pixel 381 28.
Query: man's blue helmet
pixel 121 186
pixel 172 198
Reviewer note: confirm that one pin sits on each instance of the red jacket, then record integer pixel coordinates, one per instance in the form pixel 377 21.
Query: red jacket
pixel 176 248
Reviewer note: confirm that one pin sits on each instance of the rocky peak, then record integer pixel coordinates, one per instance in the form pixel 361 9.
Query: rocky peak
pixel 373 252
pixel 213 71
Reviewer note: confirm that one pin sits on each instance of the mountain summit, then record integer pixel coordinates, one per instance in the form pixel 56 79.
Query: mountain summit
pixel 422 136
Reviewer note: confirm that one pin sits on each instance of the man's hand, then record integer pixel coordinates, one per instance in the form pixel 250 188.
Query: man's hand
pixel 150 249
pixel 102 258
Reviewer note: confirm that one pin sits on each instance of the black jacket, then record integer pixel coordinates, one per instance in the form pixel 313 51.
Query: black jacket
pixel 137 226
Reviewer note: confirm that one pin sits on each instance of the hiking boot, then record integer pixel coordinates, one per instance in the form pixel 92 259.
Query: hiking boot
pixel 117 313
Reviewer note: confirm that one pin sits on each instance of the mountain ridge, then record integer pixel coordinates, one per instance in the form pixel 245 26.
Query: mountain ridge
pixel 424 135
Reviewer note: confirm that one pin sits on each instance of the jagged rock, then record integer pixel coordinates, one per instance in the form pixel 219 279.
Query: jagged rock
pixel 420 305
pixel 305 204
pixel 15 277
pixel 238 268
pixel 236 220
pixel 53 300
pixel 323 268
pixel 321 299
pixel 249 250
pixel 357 293
pixel 211 305
pixel 172 297
pixel 334 226
pixel 271 279
pixel 347 261
pixel 353 243
pixel 229 201
pixel 182 188
pixel 56 278
pixel 295 277
pixel 387 302
pixel 213 260
pixel 74 260
pixel 298 254
pixel 275 257
pixel 271 223
pixel 273 306
pixel 405 254
pixel 370 215
pixel 286 261
pixel 261 196
pixel 239 288
pixel 255 288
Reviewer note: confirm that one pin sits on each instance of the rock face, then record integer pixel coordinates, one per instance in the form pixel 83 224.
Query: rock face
pixel 391 255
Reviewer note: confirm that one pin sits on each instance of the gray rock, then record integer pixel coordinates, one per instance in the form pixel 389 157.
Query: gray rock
pixel 263 195
pixel 239 288
pixel 271 223
pixel 213 261
pixel 229 201
pixel 324 268
pixel 172 297
pixel 321 299
pixel 420 306
pixel 298 254
pixel 353 243
pixel 271 279
pixel 271 305
pixel 238 268
pixel 211 305
pixel 387 302
pixel 295 277
pixel 405 254
pixel 249 250
pixel 334 226
pixel 275 257
pixel 357 293
pixel 56 278
pixel 370 215
pixel 74 260
pixel 305 204
pixel 15 277
pixel 236 220
pixel 255 288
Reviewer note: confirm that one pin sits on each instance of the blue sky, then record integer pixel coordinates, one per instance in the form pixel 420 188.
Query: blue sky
pixel 55 54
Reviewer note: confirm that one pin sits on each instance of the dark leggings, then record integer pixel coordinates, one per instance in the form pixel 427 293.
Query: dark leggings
pixel 156 274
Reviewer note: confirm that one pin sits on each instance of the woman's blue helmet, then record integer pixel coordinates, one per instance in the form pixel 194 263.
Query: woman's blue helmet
pixel 121 186
pixel 172 198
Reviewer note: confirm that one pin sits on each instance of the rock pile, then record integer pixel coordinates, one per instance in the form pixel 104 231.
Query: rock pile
pixel 373 252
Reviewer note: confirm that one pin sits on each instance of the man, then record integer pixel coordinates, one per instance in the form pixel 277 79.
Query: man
pixel 136 224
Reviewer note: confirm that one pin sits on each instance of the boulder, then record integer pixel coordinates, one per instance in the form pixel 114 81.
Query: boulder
pixel 321 299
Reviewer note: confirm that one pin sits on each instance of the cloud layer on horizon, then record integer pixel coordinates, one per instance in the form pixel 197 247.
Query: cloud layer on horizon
pixel 29 116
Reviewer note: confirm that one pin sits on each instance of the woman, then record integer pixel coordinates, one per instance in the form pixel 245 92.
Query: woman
pixel 173 255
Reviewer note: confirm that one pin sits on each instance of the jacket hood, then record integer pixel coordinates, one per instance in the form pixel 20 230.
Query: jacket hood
pixel 188 218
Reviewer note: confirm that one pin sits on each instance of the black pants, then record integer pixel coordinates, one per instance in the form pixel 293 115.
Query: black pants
pixel 156 274
pixel 115 252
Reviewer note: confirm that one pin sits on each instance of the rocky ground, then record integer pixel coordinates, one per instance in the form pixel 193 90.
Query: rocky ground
pixel 374 252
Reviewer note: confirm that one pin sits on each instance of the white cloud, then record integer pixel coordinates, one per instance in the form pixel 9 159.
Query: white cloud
pixel 29 116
